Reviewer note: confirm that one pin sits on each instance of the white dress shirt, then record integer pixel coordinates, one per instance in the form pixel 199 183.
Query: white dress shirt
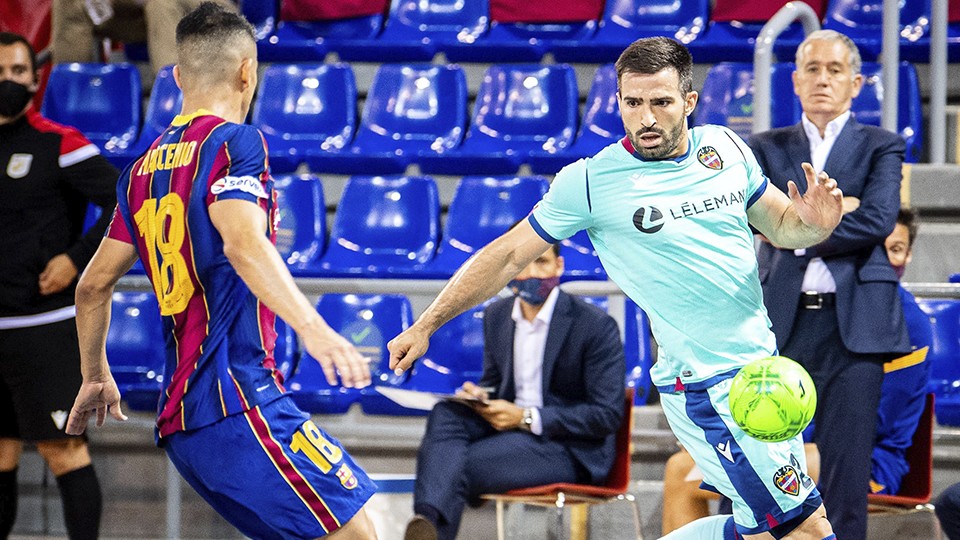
pixel 818 277
pixel 529 342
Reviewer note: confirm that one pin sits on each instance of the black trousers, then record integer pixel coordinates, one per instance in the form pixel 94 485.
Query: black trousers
pixel 462 457
pixel 848 395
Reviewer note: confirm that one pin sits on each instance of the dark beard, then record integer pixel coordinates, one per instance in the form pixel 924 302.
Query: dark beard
pixel 668 144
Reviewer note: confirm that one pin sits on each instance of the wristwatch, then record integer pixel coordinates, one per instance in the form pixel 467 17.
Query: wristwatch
pixel 526 423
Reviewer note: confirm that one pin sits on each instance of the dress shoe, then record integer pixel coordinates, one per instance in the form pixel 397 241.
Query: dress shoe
pixel 420 528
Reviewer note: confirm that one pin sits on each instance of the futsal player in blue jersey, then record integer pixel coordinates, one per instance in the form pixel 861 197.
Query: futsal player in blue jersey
pixel 669 211
pixel 199 210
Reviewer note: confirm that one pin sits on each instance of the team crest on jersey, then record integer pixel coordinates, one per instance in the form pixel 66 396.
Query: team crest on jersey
pixel 19 165
pixel 787 480
pixel 709 157
pixel 247 184
pixel 346 476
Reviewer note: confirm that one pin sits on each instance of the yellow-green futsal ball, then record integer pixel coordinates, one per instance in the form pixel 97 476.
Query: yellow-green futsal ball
pixel 772 399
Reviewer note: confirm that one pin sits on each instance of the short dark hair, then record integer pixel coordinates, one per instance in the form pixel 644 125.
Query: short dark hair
pixel 9 38
pixel 652 55
pixel 908 218
pixel 212 23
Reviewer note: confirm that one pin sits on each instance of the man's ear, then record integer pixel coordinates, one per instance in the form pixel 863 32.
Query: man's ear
pixel 246 73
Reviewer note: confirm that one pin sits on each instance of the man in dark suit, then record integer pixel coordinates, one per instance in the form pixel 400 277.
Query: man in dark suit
pixel 551 402
pixel 835 306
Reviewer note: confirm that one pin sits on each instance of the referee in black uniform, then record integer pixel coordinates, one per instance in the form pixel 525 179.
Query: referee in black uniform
pixel 48 175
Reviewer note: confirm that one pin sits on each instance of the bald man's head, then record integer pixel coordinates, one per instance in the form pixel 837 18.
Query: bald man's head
pixel 212 43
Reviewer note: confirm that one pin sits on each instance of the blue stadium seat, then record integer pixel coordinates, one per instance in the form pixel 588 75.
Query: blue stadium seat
pixel 731 34
pixel 262 14
pixel 954 278
pixel 601 125
pixel 867 106
pixel 101 100
pixel 455 354
pixel 638 350
pixel 944 357
pixel 164 105
pixel 302 231
pixel 384 227
pixel 862 21
pixel 917 48
pixel 521 42
pixel 602 302
pixel 625 21
pixel 416 30
pixel 305 111
pixel 302 41
pixel 135 349
pixel 368 321
pixel 727 98
pixel 482 209
pixel 520 109
pixel 410 110
pixel 580 261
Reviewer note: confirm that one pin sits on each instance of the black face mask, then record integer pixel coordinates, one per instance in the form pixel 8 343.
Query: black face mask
pixel 13 98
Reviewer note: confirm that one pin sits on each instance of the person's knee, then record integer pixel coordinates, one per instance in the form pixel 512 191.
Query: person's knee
pixel 10 450
pixel 65 455
pixel 360 527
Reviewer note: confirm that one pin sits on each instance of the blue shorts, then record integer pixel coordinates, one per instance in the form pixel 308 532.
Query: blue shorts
pixel 767 482
pixel 272 473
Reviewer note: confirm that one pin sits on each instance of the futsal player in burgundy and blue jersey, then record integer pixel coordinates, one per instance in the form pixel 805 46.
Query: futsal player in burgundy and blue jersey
pixel 199 210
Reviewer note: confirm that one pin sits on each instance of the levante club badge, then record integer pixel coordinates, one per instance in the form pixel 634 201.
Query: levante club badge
pixel 709 157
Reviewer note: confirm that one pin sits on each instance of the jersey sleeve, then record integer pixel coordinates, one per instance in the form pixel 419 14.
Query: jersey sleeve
pixel 565 209
pixel 244 174
pixel 118 228
pixel 756 181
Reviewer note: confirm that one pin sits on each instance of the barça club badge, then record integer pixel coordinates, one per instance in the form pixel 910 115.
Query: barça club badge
pixel 19 165
pixel 787 480
pixel 709 157
pixel 347 479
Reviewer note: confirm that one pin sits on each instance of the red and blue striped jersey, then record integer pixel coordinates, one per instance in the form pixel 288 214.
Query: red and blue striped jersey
pixel 219 337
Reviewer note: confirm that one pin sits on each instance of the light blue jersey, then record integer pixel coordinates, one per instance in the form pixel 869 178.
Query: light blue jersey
pixel 673 234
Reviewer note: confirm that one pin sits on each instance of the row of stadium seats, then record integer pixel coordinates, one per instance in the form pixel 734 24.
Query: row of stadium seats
pixel 523 114
pixel 368 321
pixel 416 30
pixel 389 227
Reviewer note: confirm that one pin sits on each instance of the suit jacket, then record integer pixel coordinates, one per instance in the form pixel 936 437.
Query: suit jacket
pixel 866 161
pixel 583 377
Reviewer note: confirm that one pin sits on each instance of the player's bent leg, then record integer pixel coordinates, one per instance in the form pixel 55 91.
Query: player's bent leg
pixel 69 460
pixel 273 473
pixel 360 527
pixel 683 500
pixel 10 450
pixel 64 455
pixel 812 527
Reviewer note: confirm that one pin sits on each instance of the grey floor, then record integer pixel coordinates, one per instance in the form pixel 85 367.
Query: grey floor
pixel 138 500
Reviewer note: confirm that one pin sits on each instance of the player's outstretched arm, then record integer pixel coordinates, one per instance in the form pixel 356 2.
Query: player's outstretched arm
pixel 98 392
pixel 242 225
pixel 482 276
pixel 795 221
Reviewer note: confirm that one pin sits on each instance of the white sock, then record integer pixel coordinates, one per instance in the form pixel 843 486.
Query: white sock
pixel 708 528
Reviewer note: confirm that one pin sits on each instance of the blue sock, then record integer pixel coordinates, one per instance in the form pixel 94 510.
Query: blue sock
pixel 831 537
pixel 709 528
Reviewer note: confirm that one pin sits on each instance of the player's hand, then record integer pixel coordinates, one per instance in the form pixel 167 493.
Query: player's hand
pixel 337 356
pixel 99 396
pixel 58 274
pixel 503 415
pixel 850 204
pixel 472 391
pixel 821 206
pixel 406 348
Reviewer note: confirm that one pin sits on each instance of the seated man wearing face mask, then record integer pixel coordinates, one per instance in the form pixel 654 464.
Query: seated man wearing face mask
pixel 554 369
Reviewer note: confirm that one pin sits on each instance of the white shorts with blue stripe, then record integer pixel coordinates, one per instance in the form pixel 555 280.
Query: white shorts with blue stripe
pixel 767 482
